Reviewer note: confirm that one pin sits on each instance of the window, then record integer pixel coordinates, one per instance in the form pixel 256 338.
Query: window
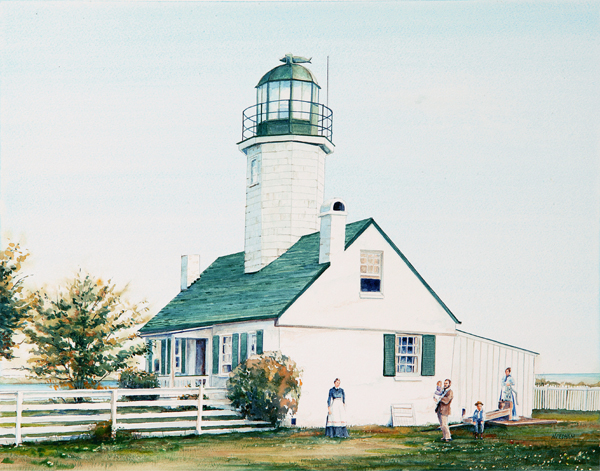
pixel 407 356
pixel 226 350
pixel 253 172
pixel 370 272
pixel 251 344
pixel 180 354
pixel 408 353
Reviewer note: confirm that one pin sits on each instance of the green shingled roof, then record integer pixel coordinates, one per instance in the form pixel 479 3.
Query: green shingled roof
pixel 224 293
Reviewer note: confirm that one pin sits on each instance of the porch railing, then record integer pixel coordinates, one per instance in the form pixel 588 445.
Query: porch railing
pixel 183 381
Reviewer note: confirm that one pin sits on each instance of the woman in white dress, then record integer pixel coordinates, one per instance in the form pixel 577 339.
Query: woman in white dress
pixel 336 417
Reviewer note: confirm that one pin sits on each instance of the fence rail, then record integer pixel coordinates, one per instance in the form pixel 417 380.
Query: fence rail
pixel 580 398
pixel 66 415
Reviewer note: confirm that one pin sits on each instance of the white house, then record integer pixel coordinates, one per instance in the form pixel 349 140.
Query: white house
pixel 339 298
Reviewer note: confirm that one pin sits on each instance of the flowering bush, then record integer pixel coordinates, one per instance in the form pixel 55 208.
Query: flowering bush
pixel 132 378
pixel 265 387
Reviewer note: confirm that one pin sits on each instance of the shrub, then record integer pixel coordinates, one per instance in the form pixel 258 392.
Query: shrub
pixel 102 431
pixel 265 387
pixel 132 378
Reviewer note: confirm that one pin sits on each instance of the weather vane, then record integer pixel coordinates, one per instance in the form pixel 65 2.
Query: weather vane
pixel 292 59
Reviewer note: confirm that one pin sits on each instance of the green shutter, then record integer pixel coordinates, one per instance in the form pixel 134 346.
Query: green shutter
pixel 168 356
pixel 428 358
pixel 163 356
pixel 259 342
pixel 243 347
pixel 215 346
pixel 389 355
pixel 149 356
pixel 235 348
pixel 183 346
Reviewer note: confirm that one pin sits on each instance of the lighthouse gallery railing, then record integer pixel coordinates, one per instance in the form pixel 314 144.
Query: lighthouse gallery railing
pixel 282 117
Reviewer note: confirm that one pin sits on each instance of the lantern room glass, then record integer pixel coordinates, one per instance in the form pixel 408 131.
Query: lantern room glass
pixel 276 100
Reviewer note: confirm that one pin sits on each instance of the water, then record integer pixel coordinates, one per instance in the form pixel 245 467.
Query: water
pixel 574 378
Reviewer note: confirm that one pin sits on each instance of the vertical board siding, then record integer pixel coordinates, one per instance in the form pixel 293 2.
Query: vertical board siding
pixel 478 369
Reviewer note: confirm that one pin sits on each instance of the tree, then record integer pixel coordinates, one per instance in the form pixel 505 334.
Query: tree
pixel 85 333
pixel 265 387
pixel 14 302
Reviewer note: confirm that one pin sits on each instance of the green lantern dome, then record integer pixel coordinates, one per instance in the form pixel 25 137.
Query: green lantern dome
pixel 287 102
pixel 289 71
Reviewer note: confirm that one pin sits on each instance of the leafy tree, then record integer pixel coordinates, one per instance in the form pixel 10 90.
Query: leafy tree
pixel 84 333
pixel 14 302
pixel 265 387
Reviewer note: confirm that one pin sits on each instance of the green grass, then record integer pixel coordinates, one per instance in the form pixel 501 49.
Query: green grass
pixel 571 444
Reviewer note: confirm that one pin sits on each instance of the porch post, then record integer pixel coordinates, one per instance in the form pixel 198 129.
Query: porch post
pixel 172 379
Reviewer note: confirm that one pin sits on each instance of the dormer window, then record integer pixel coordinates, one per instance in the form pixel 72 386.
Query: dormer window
pixel 370 271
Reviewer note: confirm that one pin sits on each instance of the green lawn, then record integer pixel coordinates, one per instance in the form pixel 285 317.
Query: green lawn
pixel 571 444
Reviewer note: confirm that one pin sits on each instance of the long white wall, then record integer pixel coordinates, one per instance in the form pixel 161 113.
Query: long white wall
pixel 356 357
pixel 478 368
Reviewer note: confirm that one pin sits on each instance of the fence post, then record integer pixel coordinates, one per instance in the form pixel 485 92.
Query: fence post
pixel 19 417
pixel 200 408
pixel 113 412
pixel 585 399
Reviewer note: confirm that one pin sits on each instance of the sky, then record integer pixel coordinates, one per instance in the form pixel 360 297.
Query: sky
pixel 470 131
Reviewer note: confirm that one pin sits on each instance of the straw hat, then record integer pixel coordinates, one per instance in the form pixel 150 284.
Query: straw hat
pixel 479 402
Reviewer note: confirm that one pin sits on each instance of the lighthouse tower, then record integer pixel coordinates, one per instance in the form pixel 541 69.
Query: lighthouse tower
pixel 285 138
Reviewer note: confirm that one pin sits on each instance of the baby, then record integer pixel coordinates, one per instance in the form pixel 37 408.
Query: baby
pixel 439 392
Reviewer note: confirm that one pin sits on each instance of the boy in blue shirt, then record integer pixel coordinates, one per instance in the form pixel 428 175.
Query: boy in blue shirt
pixel 478 421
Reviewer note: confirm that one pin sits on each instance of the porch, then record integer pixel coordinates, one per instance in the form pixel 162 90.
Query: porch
pixel 185 381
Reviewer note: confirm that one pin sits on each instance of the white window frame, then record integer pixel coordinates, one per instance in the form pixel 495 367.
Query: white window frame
pixel 402 352
pixel 252 343
pixel 225 358
pixel 367 275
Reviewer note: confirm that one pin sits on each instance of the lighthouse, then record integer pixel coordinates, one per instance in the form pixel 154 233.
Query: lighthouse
pixel 286 136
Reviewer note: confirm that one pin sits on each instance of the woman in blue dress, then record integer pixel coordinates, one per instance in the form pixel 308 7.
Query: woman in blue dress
pixel 508 394
pixel 336 417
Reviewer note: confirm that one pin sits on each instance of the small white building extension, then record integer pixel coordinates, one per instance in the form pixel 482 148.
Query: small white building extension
pixel 338 298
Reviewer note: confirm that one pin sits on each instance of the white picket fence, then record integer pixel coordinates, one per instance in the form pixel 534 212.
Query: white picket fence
pixel 66 415
pixel 581 398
